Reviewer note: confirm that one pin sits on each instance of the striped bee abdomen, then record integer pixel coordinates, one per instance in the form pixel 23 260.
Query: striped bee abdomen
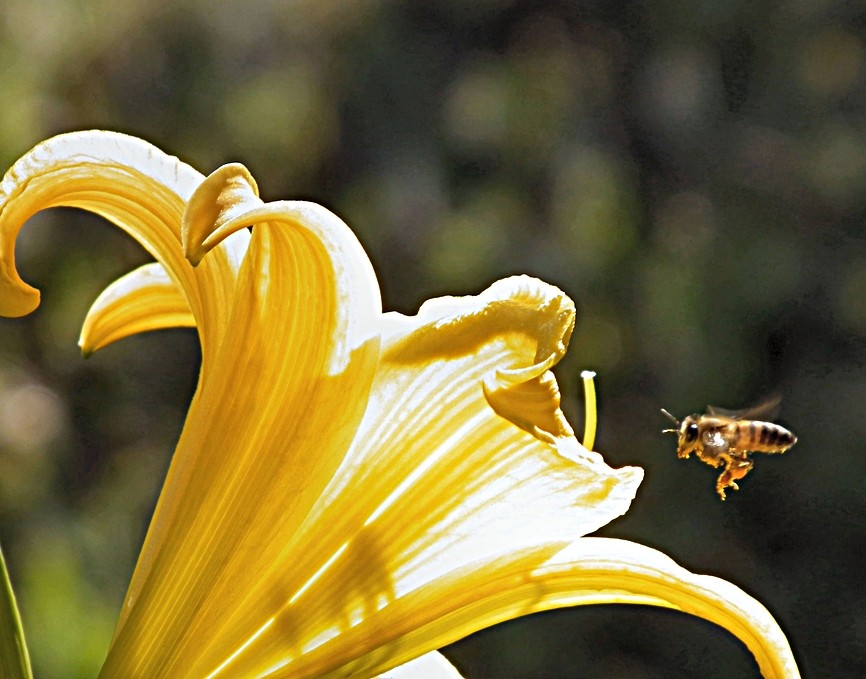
pixel 764 437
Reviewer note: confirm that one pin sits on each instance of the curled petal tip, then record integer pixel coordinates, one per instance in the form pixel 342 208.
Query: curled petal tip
pixel 16 297
pixel 126 180
pixel 224 194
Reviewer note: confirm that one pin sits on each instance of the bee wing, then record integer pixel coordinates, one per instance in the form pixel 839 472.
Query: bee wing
pixel 766 410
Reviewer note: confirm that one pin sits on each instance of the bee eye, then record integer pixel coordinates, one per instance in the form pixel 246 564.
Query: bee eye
pixel 691 432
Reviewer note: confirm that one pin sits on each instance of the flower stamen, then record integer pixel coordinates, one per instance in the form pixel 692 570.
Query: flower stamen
pixel 591 413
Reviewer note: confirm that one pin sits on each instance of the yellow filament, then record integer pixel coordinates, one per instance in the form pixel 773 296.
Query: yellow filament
pixel 591 416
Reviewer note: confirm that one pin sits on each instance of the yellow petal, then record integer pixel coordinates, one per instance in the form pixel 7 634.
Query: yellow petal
pixel 605 571
pixel 318 483
pixel 211 216
pixel 436 489
pixel 122 178
pixel 609 571
pixel 452 490
pixel 132 184
pixel 144 299
pixel 276 408
pixel 315 231
pixel 594 571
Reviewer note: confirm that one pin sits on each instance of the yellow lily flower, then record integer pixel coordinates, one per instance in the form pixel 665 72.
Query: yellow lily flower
pixel 352 489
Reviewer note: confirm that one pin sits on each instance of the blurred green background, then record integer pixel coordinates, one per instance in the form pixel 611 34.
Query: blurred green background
pixel 692 174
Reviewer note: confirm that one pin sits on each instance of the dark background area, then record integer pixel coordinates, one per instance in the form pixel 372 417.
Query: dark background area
pixel 692 174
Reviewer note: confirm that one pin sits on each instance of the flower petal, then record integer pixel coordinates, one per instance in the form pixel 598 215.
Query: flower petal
pixel 216 209
pixel 436 490
pixel 132 184
pixel 227 201
pixel 588 571
pixel 144 299
pixel 605 570
pixel 276 409
pixel 122 178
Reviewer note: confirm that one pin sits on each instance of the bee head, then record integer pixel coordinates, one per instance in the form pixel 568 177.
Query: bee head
pixel 687 433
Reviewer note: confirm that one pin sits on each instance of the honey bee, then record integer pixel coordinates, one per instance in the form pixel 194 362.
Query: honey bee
pixel 724 437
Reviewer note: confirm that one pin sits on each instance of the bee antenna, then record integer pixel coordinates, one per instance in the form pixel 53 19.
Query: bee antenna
pixel 672 419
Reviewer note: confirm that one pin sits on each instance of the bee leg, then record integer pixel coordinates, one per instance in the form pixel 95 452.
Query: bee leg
pixel 738 465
